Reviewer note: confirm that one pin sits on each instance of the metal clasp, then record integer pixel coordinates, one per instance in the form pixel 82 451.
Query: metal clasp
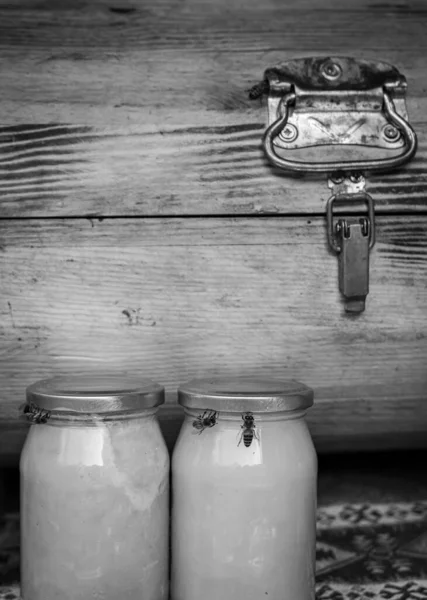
pixel 352 238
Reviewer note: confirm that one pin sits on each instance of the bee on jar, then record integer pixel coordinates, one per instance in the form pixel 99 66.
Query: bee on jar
pixel 207 419
pixel 35 414
pixel 248 432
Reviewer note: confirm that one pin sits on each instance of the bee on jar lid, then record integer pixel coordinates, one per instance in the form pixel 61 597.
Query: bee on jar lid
pixel 207 419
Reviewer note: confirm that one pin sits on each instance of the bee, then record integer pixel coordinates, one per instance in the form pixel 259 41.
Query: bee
pixel 207 419
pixel 35 414
pixel 248 430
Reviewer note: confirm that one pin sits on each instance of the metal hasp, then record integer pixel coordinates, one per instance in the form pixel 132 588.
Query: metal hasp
pixel 355 112
pixel 352 238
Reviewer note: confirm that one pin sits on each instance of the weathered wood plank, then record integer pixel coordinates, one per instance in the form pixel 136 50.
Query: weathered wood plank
pixel 178 298
pixel 224 26
pixel 64 171
pixel 130 108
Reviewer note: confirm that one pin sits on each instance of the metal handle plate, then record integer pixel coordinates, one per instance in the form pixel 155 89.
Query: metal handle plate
pixel 409 136
pixel 337 102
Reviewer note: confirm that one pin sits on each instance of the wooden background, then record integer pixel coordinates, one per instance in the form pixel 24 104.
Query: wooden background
pixel 142 229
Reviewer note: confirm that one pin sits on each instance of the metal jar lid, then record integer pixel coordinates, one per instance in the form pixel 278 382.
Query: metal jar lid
pixel 95 394
pixel 245 394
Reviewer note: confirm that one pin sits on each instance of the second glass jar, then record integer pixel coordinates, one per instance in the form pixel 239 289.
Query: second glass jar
pixel 244 478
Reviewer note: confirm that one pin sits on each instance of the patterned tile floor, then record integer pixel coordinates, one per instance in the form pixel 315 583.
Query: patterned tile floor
pixel 369 551
pixel 371 540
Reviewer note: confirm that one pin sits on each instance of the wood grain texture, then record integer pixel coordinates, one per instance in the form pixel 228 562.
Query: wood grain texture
pixel 141 108
pixel 174 299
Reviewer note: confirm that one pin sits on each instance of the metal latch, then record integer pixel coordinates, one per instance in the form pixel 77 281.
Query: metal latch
pixel 352 238
pixel 353 111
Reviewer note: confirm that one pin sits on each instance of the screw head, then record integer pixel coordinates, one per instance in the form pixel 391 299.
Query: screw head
pixel 391 133
pixel 337 177
pixel 289 133
pixel 331 70
pixel 356 177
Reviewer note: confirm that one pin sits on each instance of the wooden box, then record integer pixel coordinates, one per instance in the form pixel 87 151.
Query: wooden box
pixel 143 230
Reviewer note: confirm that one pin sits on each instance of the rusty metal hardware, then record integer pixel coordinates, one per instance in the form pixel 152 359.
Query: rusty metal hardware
pixel 340 101
pixel 352 238
pixel 353 261
pixel 354 111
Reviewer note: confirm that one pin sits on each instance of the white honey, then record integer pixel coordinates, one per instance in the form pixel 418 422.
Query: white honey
pixel 243 518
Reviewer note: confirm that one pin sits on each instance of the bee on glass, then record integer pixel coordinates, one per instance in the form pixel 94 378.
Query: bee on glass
pixel 207 419
pixel 35 414
pixel 248 430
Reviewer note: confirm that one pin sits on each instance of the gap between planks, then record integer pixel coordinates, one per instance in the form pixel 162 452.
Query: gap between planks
pixel 265 215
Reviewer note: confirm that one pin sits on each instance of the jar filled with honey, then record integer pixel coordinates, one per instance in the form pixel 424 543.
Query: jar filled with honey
pixel 94 491
pixel 244 478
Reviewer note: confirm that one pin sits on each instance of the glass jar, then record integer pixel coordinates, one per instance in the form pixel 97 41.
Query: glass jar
pixel 244 477
pixel 94 491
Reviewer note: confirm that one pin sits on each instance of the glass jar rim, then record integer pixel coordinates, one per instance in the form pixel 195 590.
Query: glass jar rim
pixel 96 393
pixel 245 394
